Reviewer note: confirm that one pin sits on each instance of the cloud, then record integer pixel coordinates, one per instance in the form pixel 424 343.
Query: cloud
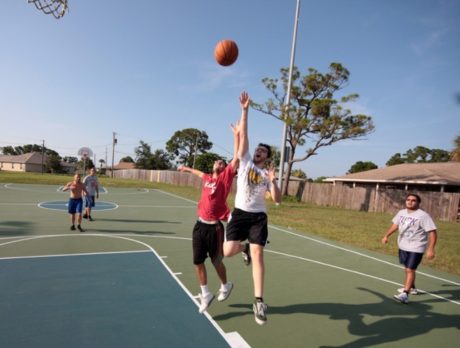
pixel 212 77
pixel 429 42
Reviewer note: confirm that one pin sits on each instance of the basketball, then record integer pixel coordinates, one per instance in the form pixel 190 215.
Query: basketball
pixel 226 52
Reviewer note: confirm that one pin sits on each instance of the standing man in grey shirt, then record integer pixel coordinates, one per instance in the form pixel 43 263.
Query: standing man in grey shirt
pixel 92 187
pixel 417 234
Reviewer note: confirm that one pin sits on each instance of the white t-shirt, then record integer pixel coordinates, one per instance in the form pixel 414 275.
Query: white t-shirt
pixel 91 183
pixel 252 184
pixel 413 230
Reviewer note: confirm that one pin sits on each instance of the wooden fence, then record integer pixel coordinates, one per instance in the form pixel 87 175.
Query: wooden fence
pixel 440 205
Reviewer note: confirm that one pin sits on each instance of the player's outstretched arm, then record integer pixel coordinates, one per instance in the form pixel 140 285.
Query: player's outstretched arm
pixel 185 169
pixel 244 141
pixel 236 144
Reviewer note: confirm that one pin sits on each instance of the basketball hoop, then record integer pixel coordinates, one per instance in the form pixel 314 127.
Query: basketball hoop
pixel 85 152
pixel 57 8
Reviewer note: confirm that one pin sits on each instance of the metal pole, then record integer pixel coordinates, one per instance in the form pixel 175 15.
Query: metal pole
pixel 288 96
pixel 43 154
pixel 114 141
pixel 196 148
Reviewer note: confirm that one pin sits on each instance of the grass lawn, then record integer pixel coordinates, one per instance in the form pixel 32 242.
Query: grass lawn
pixel 361 229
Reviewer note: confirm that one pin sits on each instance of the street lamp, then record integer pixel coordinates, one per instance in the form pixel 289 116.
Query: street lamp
pixel 288 97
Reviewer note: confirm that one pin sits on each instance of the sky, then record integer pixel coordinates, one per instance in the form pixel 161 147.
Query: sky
pixel 145 69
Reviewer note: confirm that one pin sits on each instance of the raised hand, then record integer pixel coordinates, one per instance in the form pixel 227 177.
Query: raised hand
pixel 244 100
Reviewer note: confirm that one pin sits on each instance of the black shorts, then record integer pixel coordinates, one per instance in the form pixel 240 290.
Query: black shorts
pixel 251 226
pixel 207 239
pixel 410 259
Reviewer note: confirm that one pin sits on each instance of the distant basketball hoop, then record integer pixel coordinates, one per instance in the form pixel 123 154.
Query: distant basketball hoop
pixel 85 152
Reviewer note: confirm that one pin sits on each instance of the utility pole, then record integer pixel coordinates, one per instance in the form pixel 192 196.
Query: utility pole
pixel 43 154
pixel 196 148
pixel 288 98
pixel 114 142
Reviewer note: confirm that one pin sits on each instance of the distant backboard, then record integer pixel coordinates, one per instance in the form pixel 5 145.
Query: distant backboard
pixel 57 8
pixel 85 152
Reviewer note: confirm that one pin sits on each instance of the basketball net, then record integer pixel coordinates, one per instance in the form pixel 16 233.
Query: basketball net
pixel 57 8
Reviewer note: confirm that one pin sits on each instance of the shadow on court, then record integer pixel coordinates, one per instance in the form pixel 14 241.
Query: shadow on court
pixel 111 230
pixel 15 228
pixel 398 321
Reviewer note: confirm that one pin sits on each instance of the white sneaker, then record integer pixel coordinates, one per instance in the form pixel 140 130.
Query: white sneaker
pixel 402 297
pixel 413 291
pixel 224 294
pixel 205 301
pixel 259 312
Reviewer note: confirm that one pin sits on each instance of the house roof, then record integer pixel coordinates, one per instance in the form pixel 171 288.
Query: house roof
pixel 26 158
pixel 124 165
pixel 446 173
pixel 31 158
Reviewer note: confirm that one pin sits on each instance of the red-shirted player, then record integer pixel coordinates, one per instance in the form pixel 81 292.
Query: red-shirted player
pixel 208 233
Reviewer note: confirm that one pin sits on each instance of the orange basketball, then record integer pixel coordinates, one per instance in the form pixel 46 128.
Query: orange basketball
pixel 226 52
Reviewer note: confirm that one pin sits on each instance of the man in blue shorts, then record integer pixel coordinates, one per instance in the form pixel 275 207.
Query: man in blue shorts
pixel 75 205
pixel 92 187
pixel 417 234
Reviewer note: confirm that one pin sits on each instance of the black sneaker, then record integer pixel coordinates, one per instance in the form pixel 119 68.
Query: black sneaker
pixel 72 227
pixel 90 218
pixel 85 216
pixel 80 229
pixel 246 254
pixel 259 312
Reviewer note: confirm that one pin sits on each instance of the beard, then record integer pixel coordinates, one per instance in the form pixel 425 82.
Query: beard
pixel 257 159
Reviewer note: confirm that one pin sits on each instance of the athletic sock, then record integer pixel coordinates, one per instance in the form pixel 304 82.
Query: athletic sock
pixel 204 289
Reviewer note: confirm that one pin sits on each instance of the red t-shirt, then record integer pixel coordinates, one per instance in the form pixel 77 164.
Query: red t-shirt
pixel 213 201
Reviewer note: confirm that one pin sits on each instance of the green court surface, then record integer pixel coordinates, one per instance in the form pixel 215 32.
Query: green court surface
pixel 128 280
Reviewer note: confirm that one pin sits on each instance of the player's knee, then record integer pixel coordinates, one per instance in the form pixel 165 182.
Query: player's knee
pixel 217 261
pixel 229 249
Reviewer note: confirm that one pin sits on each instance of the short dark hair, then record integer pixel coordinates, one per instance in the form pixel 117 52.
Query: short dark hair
pixel 269 149
pixel 417 197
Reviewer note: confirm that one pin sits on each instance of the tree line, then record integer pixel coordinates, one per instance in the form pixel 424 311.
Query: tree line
pixel 418 154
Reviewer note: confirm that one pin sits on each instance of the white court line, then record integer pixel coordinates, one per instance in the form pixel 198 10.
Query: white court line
pixel 155 206
pixel 355 272
pixel 337 247
pixel 189 239
pixel 175 196
pixel 118 234
pixel 229 339
pixel 58 204
pixel 76 254
pixel 360 254
pixel 267 250
pixel 139 191
pixel 10 187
